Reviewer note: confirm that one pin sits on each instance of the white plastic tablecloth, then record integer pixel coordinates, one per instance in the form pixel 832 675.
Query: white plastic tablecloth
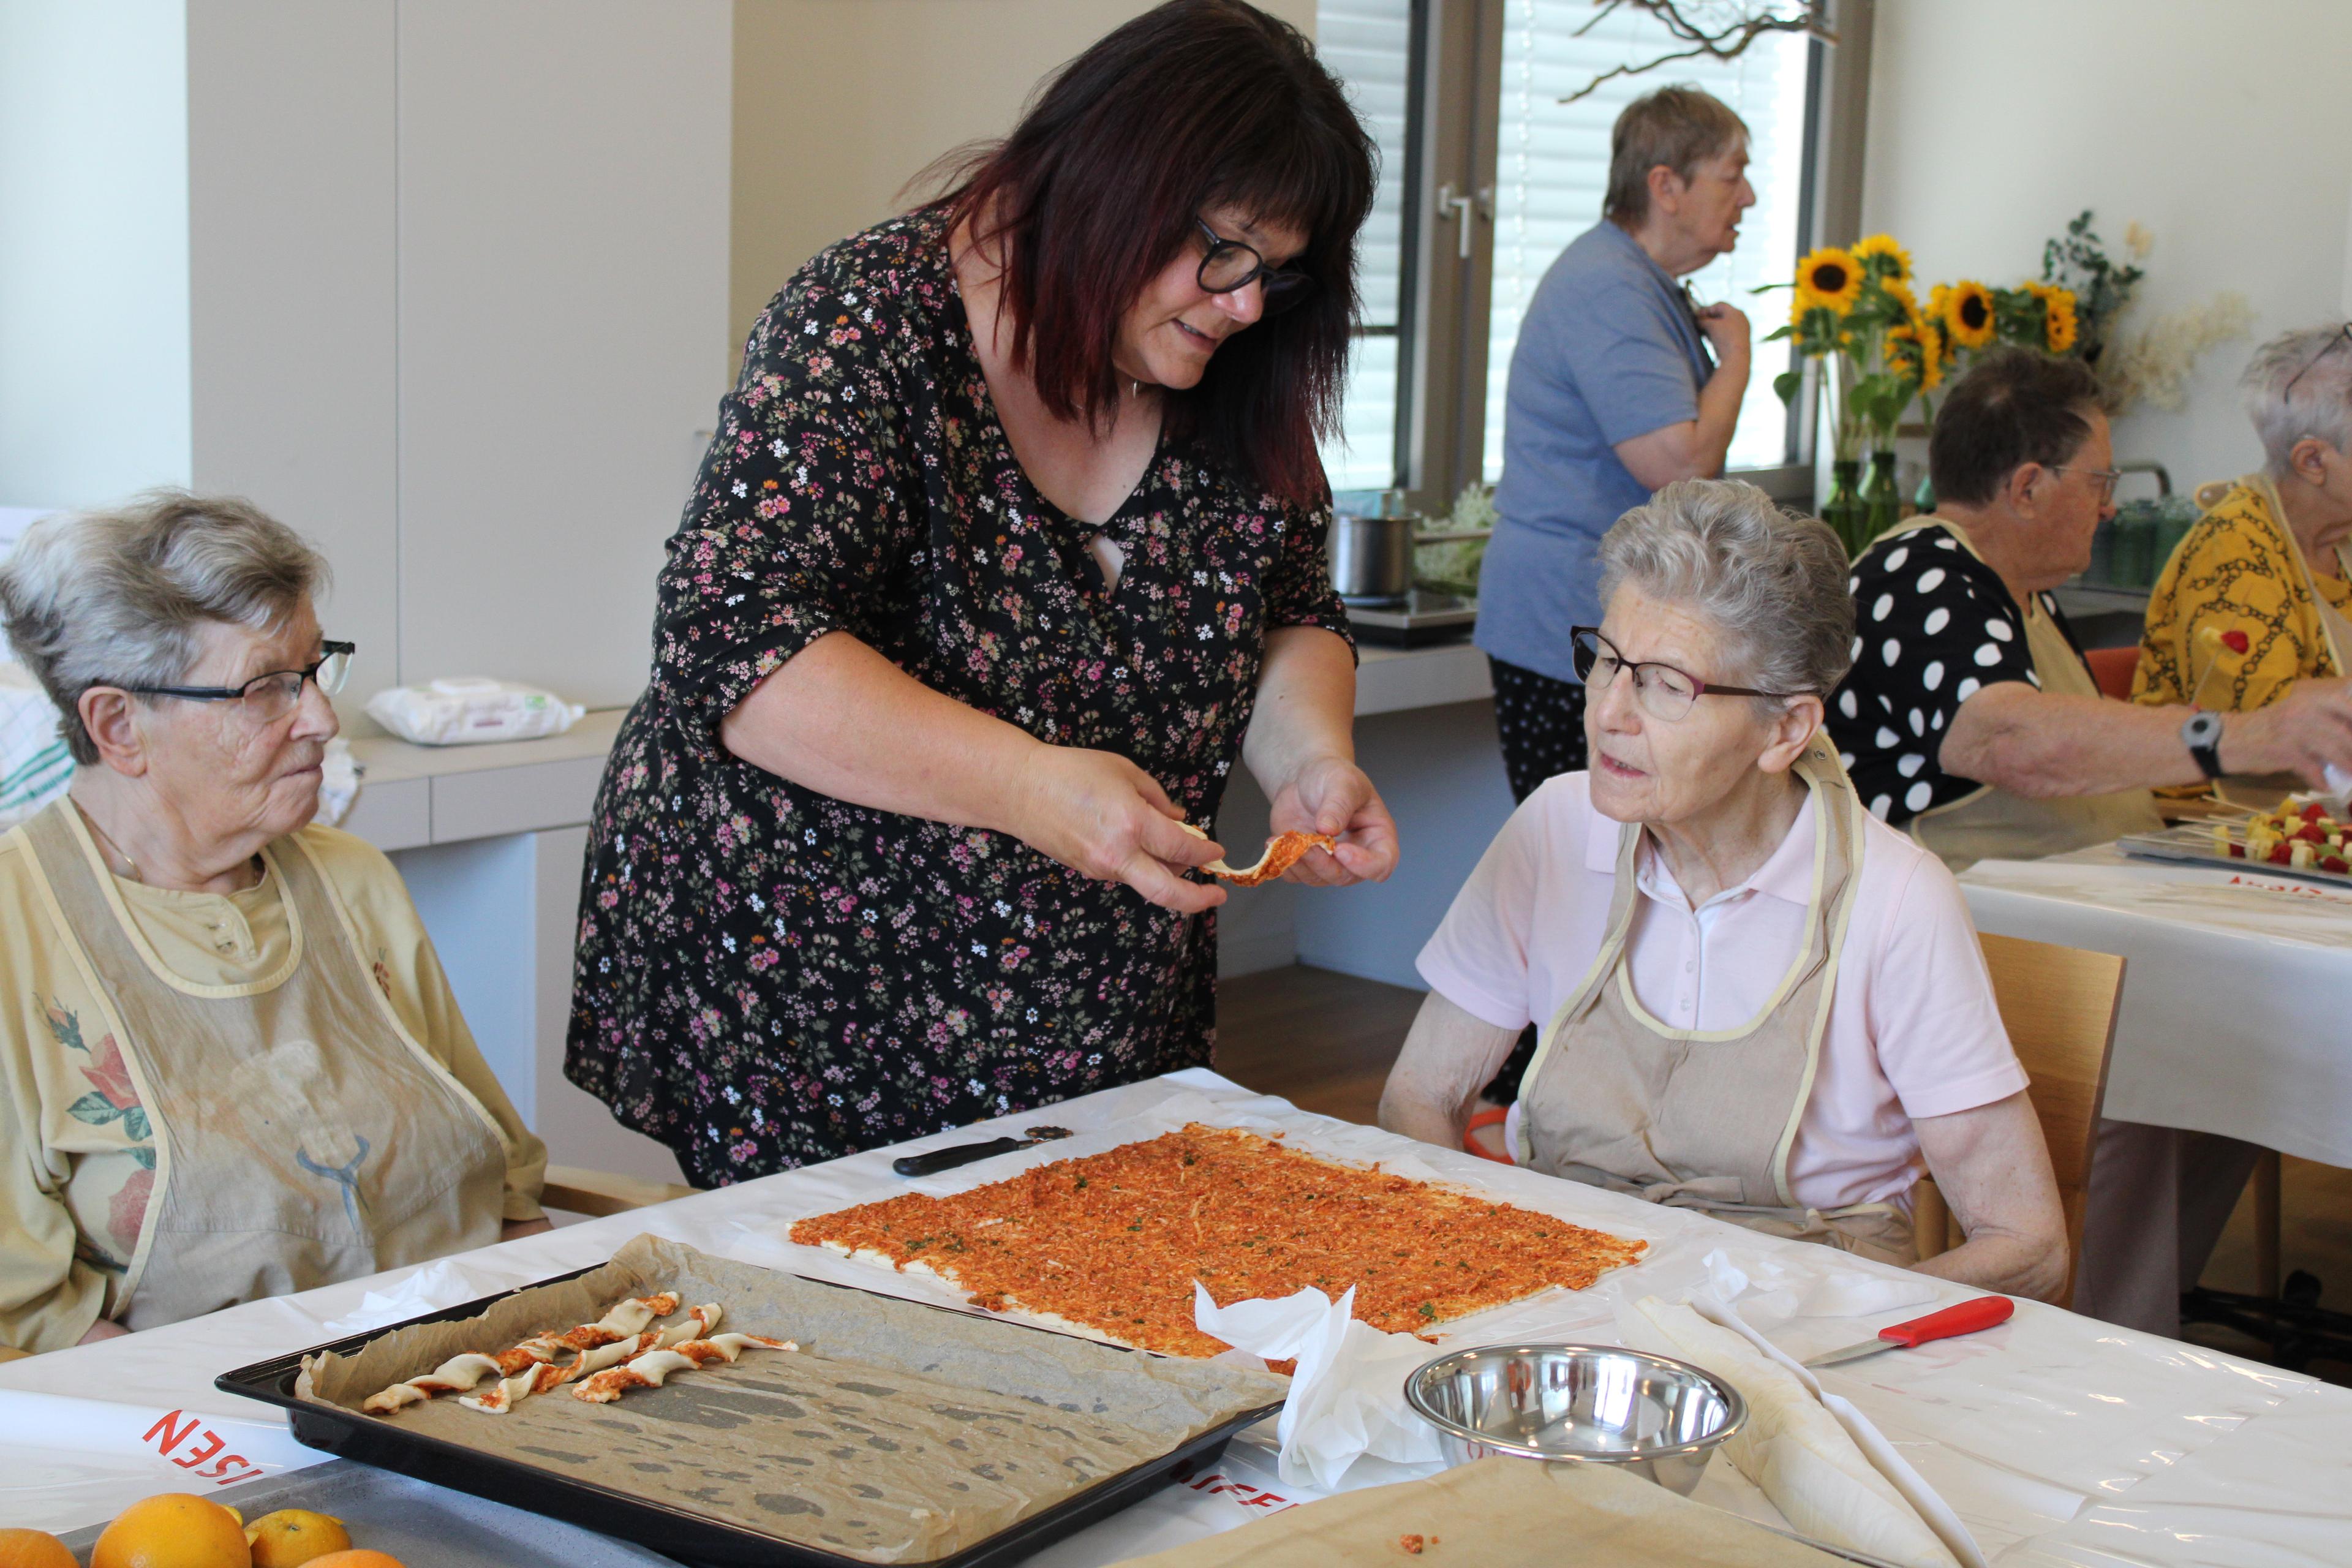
pixel 2237 1005
pixel 2060 1441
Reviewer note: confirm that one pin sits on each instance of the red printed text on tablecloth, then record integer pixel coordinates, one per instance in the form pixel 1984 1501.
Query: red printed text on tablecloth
pixel 196 1448
pixel 1214 1484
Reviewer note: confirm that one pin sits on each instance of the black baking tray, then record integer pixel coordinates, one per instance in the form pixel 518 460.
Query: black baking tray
pixel 690 1537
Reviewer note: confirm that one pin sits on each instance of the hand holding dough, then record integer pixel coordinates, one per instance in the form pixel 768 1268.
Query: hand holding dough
pixel 1283 851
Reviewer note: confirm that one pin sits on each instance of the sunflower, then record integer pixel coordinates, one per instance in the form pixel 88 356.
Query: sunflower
pixel 1882 257
pixel 1967 310
pixel 1933 351
pixel 2059 325
pixel 1832 277
pixel 1915 349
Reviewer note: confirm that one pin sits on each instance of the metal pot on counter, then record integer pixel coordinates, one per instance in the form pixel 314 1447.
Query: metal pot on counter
pixel 1371 557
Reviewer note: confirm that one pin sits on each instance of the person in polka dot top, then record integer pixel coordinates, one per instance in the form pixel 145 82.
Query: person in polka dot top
pixel 1970 716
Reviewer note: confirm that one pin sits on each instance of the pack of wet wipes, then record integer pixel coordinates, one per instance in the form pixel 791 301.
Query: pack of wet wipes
pixel 460 710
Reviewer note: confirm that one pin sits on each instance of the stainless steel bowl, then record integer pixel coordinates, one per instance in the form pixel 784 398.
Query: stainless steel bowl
pixel 1581 1405
pixel 1371 557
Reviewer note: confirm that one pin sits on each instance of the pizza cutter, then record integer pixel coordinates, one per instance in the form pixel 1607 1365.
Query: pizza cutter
pixel 948 1159
pixel 1983 1312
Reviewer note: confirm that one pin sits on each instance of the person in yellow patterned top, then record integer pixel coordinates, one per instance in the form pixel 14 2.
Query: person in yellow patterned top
pixel 2262 571
pixel 230 1063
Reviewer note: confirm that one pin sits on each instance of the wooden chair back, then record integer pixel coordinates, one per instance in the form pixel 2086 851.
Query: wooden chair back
pixel 2059 1005
pixel 2113 669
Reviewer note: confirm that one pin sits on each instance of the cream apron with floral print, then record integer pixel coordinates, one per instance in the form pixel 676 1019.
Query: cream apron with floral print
pixel 302 1136
pixel 1704 1119
pixel 1995 825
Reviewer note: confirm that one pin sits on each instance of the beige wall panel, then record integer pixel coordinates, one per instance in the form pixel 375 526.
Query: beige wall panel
pixel 838 103
pixel 291 287
pixel 562 299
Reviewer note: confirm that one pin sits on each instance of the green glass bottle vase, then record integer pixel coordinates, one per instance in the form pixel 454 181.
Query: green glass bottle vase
pixel 1881 500
pixel 1844 510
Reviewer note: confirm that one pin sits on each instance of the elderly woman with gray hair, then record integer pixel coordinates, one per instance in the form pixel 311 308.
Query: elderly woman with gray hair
pixel 230 1065
pixel 2266 562
pixel 1756 999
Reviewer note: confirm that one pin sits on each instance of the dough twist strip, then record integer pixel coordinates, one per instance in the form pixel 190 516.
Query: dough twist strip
pixel 461 1373
pixel 648 1370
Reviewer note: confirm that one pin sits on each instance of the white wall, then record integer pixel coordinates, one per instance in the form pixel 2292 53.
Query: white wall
pixel 292 256
pixel 93 250
pixel 840 102
pixel 562 310
pixel 440 283
pixel 2224 128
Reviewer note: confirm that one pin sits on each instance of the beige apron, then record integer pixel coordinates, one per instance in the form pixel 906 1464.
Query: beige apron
pixel 303 1136
pixel 1699 1118
pixel 1994 824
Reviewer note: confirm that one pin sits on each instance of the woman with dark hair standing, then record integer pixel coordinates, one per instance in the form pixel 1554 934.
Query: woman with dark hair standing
pixel 1010 544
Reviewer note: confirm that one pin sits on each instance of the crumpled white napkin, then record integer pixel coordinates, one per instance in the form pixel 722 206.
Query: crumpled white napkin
pixel 430 1289
pixel 1781 1293
pixel 1345 1396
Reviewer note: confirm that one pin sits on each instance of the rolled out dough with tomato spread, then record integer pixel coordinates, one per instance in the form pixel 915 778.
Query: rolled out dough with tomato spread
pixel 1110 1244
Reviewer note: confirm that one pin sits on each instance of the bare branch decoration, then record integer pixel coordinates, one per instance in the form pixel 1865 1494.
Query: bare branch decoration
pixel 1749 20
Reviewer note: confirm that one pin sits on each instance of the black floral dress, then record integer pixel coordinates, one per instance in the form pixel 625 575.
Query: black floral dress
pixel 767 976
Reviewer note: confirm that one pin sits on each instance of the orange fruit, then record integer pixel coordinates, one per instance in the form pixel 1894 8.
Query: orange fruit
pixel 173 1531
pixel 34 1549
pixel 293 1536
pixel 355 1558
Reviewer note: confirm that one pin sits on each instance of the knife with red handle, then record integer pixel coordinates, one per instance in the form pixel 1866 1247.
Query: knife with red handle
pixel 1968 1318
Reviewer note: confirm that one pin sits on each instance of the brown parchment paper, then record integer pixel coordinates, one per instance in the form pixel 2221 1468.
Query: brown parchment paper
pixel 898 1433
pixel 1500 1513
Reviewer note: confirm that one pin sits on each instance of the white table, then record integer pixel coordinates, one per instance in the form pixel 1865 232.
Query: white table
pixel 2059 1440
pixel 2237 989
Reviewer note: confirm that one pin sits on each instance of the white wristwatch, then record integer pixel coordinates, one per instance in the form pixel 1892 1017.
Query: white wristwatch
pixel 2202 736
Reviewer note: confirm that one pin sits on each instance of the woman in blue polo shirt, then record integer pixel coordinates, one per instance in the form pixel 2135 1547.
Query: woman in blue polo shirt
pixel 1614 394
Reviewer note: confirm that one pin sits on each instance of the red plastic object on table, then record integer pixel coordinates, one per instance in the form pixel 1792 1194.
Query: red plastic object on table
pixel 1968 1318
pixel 1493 1116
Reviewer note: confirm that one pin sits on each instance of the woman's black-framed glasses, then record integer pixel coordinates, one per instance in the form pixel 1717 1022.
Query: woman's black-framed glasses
pixel 1663 691
pixel 269 696
pixel 1231 265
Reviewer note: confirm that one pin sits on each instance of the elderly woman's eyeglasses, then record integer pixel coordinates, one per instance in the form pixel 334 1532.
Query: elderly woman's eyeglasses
pixel 272 696
pixel 2105 478
pixel 1663 691
pixel 2338 341
pixel 1229 265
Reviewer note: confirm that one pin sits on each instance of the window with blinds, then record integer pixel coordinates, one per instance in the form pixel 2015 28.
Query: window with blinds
pixel 1369 44
pixel 1552 168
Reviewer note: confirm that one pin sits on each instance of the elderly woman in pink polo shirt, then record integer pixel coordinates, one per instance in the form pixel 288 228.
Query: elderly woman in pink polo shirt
pixel 1756 999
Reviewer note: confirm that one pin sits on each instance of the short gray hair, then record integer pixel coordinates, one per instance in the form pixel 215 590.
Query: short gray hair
pixel 117 598
pixel 2317 364
pixel 1681 127
pixel 1772 584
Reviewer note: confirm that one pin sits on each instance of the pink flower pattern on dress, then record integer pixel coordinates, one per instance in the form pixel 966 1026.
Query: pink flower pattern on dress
pixel 110 1077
